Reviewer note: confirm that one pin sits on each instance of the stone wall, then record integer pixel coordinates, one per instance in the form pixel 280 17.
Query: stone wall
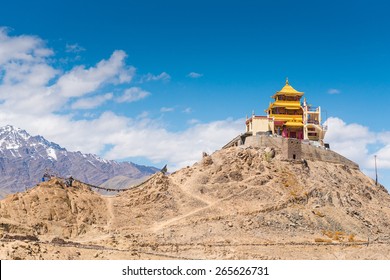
pixel 320 154
pixel 263 141
pixel 291 148
pixel 288 147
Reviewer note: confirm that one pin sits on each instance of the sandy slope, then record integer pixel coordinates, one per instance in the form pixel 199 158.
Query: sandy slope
pixel 236 203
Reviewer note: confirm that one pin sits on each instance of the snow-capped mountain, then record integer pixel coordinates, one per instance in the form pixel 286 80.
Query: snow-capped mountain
pixel 25 158
pixel 12 139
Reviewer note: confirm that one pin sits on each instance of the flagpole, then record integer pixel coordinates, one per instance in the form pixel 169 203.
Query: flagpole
pixel 376 172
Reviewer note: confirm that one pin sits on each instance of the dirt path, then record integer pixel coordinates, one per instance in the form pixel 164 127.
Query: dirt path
pixel 110 211
pixel 161 225
pixel 189 192
pixel 109 200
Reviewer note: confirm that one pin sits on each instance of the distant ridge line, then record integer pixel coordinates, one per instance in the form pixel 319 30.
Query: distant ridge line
pixel 163 171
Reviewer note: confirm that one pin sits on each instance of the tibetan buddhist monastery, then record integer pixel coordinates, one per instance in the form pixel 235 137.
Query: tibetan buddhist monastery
pixel 288 117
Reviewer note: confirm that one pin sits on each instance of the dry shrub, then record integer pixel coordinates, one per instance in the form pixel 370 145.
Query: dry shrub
pixel 318 213
pixel 338 236
pixel 328 233
pixel 334 235
pixel 323 240
pixel 293 193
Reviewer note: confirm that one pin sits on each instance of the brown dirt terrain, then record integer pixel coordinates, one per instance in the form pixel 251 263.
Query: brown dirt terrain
pixel 238 203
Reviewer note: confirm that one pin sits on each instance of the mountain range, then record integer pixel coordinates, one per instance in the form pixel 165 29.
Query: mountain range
pixel 24 159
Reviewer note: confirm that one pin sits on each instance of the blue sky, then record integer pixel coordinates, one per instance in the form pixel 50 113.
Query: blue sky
pixel 177 77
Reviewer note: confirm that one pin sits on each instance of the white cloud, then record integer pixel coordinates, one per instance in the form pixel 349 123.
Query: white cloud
pixel 350 139
pixel 74 48
pixel 194 75
pixel 193 121
pixel 143 115
pixel 27 74
pixel 334 91
pixel 149 139
pixel 187 110
pixel 167 109
pixel 383 157
pixel 32 91
pixel 161 77
pixel 126 74
pixel 80 81
pixel 22 48
pixel 384 137
pixel 29 84
pixel 92 102
pixel 354 140
pixel 132 94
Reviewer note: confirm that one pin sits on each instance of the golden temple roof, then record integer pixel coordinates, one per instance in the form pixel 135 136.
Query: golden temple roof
pixel 292 104
pixel 288 90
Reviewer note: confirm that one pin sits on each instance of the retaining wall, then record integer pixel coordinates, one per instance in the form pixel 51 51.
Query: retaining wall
pixel 306 151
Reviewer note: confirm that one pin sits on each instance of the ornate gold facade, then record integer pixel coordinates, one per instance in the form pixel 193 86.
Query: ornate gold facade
pixel 288 117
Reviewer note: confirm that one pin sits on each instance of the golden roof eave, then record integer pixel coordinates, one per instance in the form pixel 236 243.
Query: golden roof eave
pixel 293 124
pixel 279 103
pixel 288 90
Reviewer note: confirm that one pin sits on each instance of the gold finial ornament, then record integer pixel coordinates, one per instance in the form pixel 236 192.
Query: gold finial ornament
pixel 286 80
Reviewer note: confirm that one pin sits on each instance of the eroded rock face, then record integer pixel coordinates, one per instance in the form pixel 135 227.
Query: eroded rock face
pixel 53 209
pixel 232 207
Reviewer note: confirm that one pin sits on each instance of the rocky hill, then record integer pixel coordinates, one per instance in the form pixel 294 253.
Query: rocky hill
pixel 25 158
pixel 238 203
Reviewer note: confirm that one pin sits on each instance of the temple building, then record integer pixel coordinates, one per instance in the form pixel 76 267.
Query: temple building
pixel 312 128
pixel 288 117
